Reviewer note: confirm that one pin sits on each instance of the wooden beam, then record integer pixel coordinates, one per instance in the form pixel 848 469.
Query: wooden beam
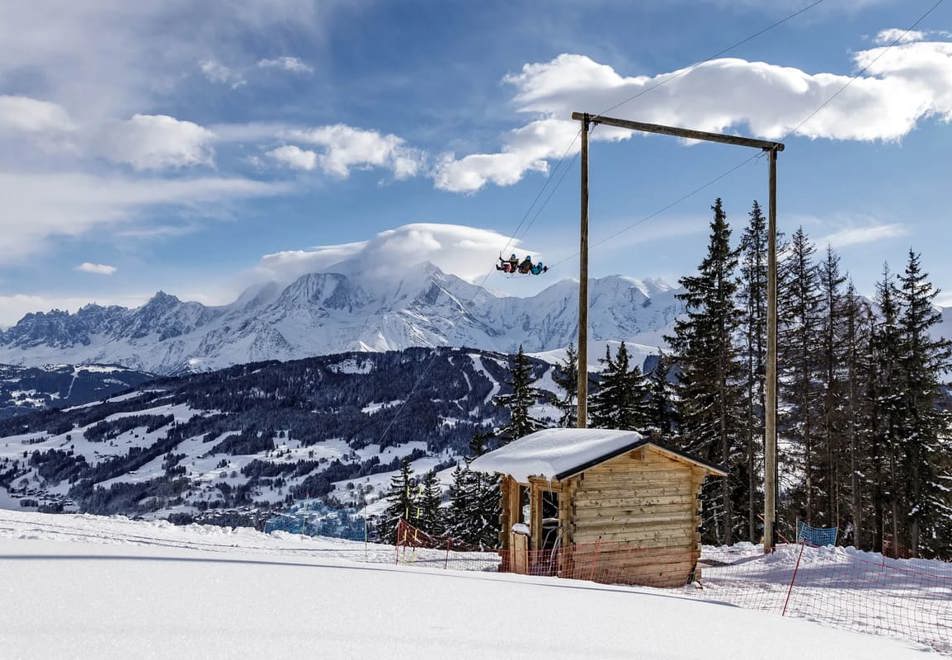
pixel 685 133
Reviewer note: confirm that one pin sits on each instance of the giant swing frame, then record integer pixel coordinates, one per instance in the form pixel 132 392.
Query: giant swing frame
pixel 770 414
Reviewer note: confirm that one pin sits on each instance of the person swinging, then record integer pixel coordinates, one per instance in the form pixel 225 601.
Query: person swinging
pixel 524 267
pixel 507 265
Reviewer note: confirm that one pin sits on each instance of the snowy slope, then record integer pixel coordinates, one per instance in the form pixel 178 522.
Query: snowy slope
pixel 334 312
pixel 88 587
pixel 254 437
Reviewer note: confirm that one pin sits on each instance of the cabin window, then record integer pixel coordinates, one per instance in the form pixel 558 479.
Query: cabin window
pixel 550 520
pixel 525 505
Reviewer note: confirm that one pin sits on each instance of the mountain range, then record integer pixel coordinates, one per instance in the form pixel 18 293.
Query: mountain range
pixel 335 312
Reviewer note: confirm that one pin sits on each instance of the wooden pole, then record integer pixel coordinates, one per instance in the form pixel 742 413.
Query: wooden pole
pixel 582 393
pixel 770 414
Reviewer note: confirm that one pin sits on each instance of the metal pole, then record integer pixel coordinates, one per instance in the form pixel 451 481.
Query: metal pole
pixel 770 414
pixel 583 286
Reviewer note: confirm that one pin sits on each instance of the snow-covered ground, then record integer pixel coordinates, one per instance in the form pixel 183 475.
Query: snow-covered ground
pixel 81 586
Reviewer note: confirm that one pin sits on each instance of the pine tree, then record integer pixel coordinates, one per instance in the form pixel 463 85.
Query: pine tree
pixel 857 357
pixel 886 402
pixel 402 505
pixel 430 501
pixel 566 377
pixel 753 270
pixel 800 325
pixel 459 513
pixel 473 515
pixel 922 362
pixel 831 414
pixel 519 402
pixel 619 402
pixel 709 387
pixel 485 498
pixel 661 408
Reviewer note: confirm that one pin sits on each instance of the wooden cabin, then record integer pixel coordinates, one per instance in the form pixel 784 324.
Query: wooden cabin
pixel 604 505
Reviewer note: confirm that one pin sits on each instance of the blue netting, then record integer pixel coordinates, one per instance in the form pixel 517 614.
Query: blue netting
pixel 317 519
pixel 815 535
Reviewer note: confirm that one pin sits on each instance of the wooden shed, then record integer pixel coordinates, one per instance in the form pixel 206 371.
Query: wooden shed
pixel 604 505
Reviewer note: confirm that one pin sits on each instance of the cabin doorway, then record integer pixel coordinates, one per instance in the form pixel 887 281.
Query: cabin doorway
pixel 520 515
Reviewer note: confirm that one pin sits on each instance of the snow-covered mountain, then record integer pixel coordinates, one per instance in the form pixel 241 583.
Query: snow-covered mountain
pixel 333 312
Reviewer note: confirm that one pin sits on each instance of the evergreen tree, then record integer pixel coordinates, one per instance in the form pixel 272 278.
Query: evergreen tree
pixel 857 356
pixel 886 414
pixel 430 501
pixel 619 402
pixel 474 510
pixel 800 322
pixel 566 377
pixel 661 408
pixel 831 415
pixel 709 388
pixel 485 498
pixel 459 513
pixel 753 271
pixel 922 361
pixel 518 403
pixel 402 505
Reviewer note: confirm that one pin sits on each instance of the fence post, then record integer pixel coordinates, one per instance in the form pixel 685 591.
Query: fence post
pixel 792 580
pixel 396 544
pixel 446 559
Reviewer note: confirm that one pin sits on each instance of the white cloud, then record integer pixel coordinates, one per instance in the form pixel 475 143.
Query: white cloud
pixel 151 142
pixel 112 58
pixel 526 149
pixel 292 64
pixel 346 148
pixel 21 113
pixel 464 251
pixel 95 269
pixel 898 36
pixel 867 234
pixel 294 157
pixel 901 86
pixel 39 207
pixel 217 72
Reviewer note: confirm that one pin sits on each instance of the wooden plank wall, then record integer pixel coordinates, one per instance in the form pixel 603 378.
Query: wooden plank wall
pixel 639 513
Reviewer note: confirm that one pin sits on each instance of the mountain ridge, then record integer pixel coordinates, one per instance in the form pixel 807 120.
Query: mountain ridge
pixel 334 312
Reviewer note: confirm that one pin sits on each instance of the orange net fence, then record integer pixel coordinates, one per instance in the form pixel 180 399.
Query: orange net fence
pixel 843 587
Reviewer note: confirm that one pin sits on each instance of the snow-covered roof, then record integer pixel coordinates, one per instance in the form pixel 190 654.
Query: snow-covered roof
pixel 559 453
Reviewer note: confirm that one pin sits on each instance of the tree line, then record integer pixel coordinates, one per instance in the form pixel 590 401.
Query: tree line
pixel 863 415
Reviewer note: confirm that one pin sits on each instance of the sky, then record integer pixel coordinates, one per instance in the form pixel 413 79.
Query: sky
pixel 199 148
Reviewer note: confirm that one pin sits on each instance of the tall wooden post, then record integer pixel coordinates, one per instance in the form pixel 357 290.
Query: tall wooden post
pixel 770 414
pixel 582 393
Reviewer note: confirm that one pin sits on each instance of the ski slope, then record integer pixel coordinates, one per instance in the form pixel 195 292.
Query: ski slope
pixel 81 586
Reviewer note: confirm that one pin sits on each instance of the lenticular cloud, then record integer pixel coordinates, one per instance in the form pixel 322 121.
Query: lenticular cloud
pixel 467 252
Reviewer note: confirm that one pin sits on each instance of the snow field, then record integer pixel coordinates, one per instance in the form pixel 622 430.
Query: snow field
pixel 87 587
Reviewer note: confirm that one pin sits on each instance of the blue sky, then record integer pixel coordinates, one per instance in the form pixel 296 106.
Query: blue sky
pixel 174 145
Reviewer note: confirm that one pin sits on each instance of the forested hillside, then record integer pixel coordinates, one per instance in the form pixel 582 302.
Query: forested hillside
pixel 257 436
pixel 27 389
